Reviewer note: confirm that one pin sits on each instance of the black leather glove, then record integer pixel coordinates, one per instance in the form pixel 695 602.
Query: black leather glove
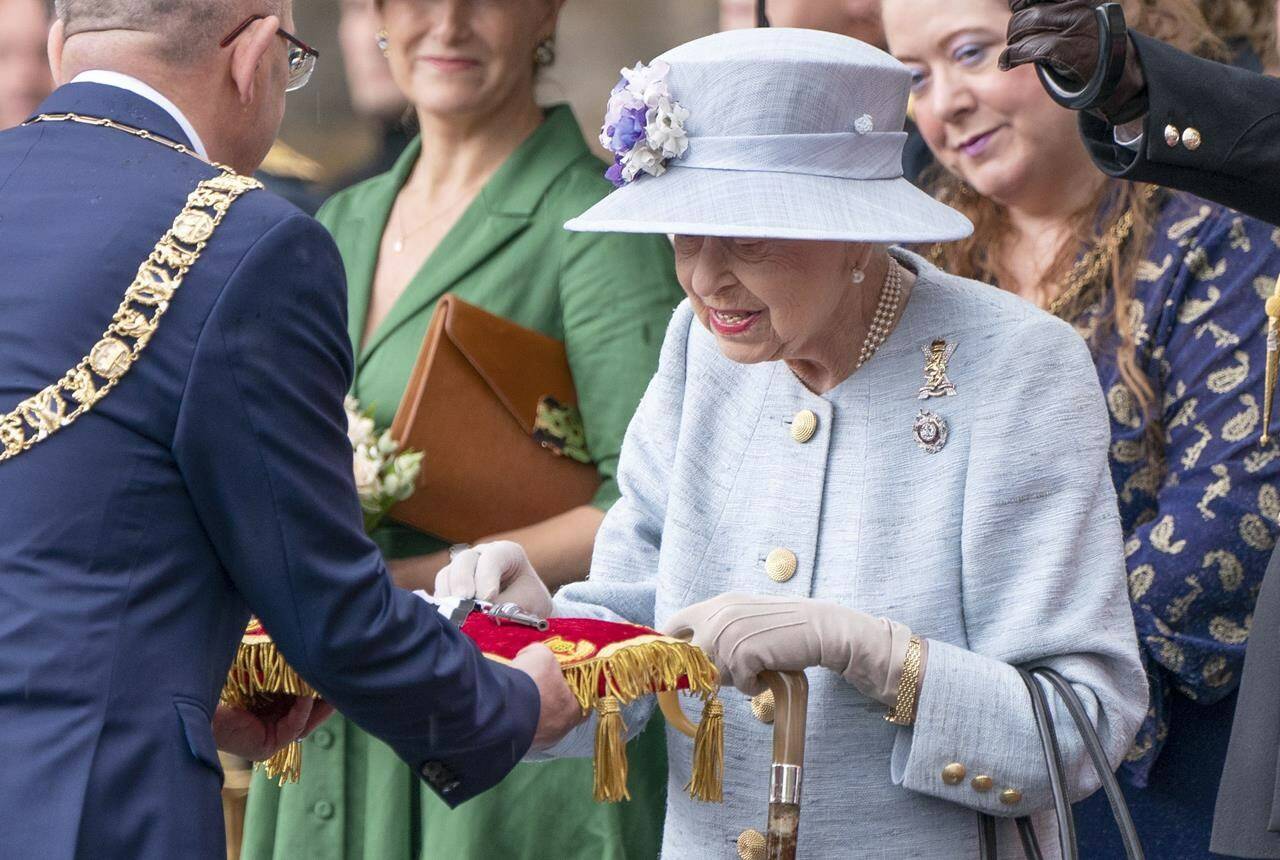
pixel 1064 35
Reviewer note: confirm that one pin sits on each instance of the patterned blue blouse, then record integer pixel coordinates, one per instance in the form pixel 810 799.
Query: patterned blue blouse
pixel 1199 525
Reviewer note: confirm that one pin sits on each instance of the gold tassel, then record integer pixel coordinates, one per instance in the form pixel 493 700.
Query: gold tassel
pixel 707 779
pixel 611 752
pixel 285 765
pixel 259 675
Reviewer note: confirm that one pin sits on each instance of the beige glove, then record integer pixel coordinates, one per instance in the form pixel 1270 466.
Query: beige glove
pixel 744 635
pixel 498 572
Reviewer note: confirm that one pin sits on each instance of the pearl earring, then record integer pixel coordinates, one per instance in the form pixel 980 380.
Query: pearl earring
pixel 858 276
pixel 384 43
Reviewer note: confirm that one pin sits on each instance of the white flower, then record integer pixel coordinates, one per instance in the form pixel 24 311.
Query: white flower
pixel 642 159
pixel 359 425
pixel 864 124
pixel 367 466
pixel 648 84
pixel 664 128
pixel 387 446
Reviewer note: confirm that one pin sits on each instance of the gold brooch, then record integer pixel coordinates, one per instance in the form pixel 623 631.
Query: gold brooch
pixel 930 431
pixel 936 383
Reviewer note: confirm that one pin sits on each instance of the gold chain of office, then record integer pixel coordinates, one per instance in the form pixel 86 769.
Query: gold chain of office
pixel 145 302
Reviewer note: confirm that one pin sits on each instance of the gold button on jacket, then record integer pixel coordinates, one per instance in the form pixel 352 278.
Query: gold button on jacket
pixel 1191 139
pixel 781 565
pixel 982 782
pixel 1011 797
pixel 751 845
pixel 1172 135
pixel 953 773
pixel 804 425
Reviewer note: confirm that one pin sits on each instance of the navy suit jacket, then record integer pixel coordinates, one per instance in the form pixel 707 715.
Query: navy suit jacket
pixel 1237 113
pixel 216 479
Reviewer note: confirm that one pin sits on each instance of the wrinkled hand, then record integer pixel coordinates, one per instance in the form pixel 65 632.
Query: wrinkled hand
pixel 560 710
pixel 745 635
pixel 498 572
pixel 1064 35
pixel 258 737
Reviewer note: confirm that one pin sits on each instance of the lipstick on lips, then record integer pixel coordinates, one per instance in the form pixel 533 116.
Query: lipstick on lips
pixel 450 64
pixel 976 145
pixel 731 322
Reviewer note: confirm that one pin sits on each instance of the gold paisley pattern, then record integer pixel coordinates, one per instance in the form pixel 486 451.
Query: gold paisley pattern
pixel 1191 456
pixel 1198 532
pixel 1221 336
pixel 1254 532
pixel 1228 379
pixel 1228 632
pixel 1124 406
pixel 1162 536
pixel 1193 309
pixel 1140 579
pixel 1216 490
pixel 1243 424
pixel 1230 570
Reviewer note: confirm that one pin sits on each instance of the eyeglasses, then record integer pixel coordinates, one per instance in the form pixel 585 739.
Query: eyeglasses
pixel 302 57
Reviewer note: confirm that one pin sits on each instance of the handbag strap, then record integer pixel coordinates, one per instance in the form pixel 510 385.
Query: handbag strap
pixel 1053 759
pixel 1093 745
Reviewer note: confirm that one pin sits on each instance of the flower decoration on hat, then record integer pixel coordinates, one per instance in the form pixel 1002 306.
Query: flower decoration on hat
pixel 643 124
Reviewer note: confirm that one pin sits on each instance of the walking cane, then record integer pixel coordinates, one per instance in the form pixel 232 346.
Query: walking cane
pixel 791 705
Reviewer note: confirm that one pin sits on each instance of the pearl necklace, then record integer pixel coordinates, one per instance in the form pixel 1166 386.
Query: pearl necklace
pixel 886 312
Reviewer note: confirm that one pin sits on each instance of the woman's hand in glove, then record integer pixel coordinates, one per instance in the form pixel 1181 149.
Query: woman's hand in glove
pixel 745 635
pixel 498 572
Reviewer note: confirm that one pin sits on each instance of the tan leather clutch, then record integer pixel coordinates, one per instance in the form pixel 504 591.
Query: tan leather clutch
pixel 477 405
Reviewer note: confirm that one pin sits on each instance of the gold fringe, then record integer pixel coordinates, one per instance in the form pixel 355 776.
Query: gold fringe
pixel 640 670
pixel 707 781
pixel 285 765
pixel 611 753
pixel 258 674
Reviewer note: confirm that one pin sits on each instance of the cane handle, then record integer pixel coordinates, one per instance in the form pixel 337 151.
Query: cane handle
pixel 1113 44
pixel 669 702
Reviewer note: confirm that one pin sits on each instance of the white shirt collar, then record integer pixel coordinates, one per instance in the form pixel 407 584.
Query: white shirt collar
pixel 137 87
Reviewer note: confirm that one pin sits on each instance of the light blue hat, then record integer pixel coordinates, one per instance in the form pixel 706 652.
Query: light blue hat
pixel 766 133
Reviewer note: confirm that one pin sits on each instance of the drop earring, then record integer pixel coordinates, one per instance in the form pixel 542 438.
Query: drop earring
pixel 545 54
pixel 384 43
pixel 858 276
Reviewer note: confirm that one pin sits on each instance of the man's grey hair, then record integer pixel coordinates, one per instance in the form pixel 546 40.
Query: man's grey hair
pixel 189 28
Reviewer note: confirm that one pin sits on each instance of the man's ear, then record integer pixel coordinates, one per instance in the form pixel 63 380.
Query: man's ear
pixel 57 39
pixel 247 55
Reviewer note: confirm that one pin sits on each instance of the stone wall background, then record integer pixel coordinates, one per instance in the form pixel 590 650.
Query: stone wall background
pixel 596 38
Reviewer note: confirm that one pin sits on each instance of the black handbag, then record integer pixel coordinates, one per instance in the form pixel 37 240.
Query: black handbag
pixel 987 849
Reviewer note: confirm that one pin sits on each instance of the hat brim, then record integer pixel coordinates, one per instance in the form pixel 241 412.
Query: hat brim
pixel 738 203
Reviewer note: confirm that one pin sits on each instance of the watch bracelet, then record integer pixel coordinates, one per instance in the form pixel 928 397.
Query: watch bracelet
pixel 903 712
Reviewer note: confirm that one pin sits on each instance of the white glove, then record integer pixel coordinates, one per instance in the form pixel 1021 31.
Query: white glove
pixel 498 572
pixel 745 635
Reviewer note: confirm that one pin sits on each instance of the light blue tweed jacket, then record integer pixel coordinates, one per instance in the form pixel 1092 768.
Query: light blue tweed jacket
pixel 1004 547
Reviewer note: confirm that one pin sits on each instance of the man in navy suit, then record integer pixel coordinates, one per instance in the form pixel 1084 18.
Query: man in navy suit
pixel 213 479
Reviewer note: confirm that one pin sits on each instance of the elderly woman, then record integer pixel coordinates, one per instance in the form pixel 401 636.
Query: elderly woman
pixel 849 462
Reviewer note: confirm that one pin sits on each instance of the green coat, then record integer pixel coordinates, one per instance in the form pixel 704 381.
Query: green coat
pixel 608 297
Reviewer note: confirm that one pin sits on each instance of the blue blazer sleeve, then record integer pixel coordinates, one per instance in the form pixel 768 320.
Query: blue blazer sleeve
pixel 262 448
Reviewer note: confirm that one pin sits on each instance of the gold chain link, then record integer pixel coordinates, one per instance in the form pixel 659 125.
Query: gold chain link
pixel 136 319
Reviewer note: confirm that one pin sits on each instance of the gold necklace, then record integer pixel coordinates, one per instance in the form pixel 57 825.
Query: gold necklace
pixel 1089 267
pixel 140 133
pixel 398 245
pixel 137 318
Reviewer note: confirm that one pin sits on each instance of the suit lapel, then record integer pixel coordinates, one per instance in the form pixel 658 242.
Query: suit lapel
pixel 501 211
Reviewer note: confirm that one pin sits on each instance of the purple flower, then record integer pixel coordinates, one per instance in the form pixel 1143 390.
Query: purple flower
pixel 614 174
pixel 629 129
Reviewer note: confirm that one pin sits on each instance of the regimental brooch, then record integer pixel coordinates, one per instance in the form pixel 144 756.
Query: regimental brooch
pixel 936 383
pixel 930 431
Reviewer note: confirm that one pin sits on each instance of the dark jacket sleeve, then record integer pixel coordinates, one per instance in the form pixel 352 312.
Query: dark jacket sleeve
pixel 262 447
pixel 1237 114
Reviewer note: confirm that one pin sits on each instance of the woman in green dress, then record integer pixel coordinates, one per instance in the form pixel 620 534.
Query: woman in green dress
pixel 475 207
